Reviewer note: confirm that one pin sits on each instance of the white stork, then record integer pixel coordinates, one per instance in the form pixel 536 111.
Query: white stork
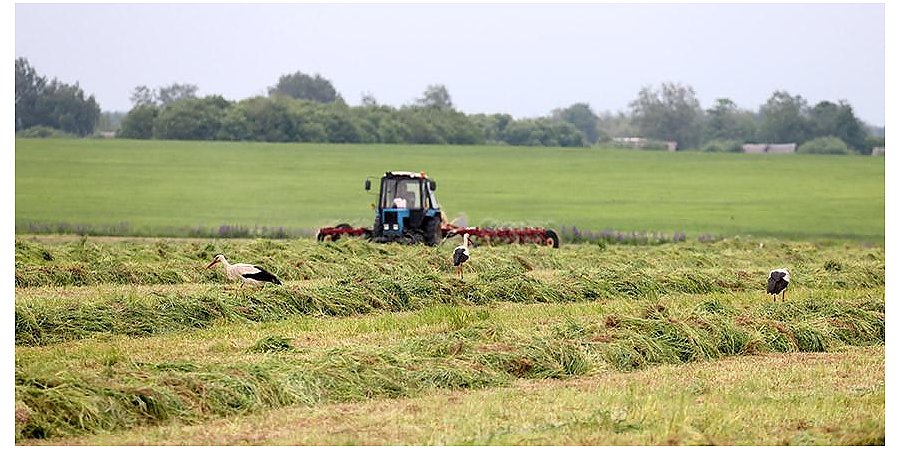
pixel 244 272
pixel 461 255
pixel 778 282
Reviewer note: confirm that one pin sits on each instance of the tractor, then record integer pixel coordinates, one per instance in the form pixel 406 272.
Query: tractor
pixel 408 212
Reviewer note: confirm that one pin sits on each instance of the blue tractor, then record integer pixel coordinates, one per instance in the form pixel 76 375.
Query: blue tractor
pixel 408 213
pixel 407 210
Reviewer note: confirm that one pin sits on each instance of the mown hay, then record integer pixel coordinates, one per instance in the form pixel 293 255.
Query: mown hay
pixel 472 353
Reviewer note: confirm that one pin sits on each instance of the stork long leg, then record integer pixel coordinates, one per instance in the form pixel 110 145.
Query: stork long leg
pixel 782 294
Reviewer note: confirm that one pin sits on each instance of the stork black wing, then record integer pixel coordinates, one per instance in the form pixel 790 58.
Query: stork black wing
pixel 263 275
pixel 776 283
pixel 459 256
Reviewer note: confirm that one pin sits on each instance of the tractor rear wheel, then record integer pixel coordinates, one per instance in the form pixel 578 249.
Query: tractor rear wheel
pixel 433 232
pixel 551 239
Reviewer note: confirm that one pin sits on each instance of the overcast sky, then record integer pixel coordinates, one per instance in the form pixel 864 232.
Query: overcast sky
pixel 525 60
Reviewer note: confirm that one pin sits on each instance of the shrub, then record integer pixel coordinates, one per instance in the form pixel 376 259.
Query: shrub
pixel 719 145
pixel 43 131
pixel 828 145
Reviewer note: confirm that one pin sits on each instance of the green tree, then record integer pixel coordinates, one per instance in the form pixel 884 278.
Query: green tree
pixel 671 113
pixel 492 126
pixel 616 125
pixel 142 95
pixel 29 86
pixel 54 104
pixel 191 119
pixel 838 120
pixel 260 119
pixel 163 95
pixel 543 132
pixel 166 95
pixel 301 86
pixel 583 118
pixel 382 122
pixel 341 126
pixel 726 122
pixel 435 96
pixel 784 119
pixel 138 123
pixel 65 107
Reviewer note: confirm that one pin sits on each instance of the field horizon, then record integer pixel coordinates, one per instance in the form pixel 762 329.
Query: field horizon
pixel 176 188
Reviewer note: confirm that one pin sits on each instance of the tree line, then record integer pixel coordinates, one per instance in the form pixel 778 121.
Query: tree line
pixel 307 108
pixel 52 103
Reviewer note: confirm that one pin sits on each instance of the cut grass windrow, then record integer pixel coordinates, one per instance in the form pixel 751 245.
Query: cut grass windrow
pixel 354 277
pixel 834 398
pixel 123 393
pixel 737 263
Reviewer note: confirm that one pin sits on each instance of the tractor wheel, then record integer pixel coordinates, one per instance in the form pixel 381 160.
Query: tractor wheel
pixel 376 229
pixel 433 232
pixel 551 239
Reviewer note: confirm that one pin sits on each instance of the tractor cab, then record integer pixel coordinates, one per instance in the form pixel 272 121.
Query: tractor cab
pixel 407 209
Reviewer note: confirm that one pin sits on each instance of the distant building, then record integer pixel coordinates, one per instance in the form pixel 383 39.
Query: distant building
pixel 644 143
pixel 770 148
pixel 634 142
pixel 754 148
pixel 878 151
pixel 782 148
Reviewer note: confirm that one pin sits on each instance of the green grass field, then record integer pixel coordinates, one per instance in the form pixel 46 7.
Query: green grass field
pixel 171 187
pixel 132 341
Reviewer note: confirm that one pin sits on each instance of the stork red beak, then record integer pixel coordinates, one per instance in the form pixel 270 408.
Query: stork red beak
pixel 212 263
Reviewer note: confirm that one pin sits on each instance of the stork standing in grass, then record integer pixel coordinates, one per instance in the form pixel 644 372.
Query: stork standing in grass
pixel 247 273
pixel 778 282
pixel 461 255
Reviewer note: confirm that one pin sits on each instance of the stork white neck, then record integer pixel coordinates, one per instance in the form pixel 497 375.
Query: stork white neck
pixel 465 243
pixel 219 258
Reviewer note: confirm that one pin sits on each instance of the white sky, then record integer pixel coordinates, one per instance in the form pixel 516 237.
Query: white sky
pixel 522 59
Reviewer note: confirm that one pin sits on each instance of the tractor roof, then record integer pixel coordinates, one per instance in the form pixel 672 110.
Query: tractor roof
pixel 406 174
